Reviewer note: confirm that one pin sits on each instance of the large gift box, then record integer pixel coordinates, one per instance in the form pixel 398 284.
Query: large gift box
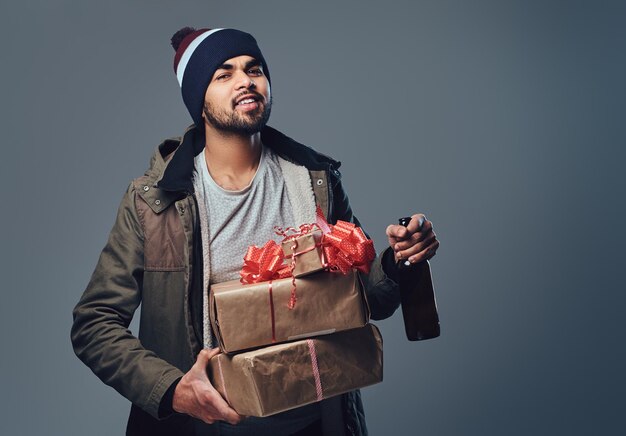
pixel 280 377
pixel 258 314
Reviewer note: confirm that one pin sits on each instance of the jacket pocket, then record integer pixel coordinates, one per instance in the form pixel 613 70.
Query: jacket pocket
pixel 164 238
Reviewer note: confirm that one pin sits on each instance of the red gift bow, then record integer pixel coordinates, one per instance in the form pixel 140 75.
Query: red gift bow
pixel 261 264
pixel 346 247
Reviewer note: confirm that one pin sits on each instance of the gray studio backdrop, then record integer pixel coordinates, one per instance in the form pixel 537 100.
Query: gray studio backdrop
pixel 502 121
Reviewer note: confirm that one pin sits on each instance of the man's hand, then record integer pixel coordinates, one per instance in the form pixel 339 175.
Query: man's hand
pixel 196 396
pixel 416 242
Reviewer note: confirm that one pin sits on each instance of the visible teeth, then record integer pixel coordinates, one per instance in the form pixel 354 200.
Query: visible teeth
pixel 246 101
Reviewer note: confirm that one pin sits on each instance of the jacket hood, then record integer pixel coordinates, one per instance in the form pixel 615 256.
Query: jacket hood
pixel 172 164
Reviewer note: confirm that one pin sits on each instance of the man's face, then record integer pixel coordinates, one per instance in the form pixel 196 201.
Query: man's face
pixel 238 98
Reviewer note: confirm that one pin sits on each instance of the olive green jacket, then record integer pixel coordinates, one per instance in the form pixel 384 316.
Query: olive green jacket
pixel 153 257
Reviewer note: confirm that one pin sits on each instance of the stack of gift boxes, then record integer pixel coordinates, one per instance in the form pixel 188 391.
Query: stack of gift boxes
pixel 294 329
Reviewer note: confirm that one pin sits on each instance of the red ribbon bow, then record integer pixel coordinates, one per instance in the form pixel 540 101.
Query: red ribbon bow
pixel 346 247
pixel 265 263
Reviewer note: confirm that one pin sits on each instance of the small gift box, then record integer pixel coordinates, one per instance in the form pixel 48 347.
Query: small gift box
pixel 341 248
pixel 307 251
pixel 281 377
pixel 258 314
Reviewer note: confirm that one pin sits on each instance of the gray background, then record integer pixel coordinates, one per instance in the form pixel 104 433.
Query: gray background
pixel 503 121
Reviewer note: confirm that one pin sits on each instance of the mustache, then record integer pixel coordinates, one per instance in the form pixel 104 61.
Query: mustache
pixel 258 96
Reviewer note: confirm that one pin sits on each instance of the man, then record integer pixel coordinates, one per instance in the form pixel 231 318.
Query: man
pixel 186 224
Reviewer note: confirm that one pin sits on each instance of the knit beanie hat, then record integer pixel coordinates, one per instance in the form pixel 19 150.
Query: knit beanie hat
pixel 198 55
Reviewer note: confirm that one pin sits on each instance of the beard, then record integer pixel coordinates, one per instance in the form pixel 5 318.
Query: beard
pixel 236 122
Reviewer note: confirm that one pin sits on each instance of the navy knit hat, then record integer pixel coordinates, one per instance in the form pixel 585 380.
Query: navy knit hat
pixel 199 53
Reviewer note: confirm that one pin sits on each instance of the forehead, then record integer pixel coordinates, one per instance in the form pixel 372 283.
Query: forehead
pixel 238 61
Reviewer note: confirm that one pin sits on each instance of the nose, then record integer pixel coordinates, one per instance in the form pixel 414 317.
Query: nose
pixel 245 81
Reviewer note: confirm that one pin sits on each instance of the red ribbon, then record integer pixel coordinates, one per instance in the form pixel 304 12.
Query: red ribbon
pixel 290 234
pixel 316 372
pixel 295 233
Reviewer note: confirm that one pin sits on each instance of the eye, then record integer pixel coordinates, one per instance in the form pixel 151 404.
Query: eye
pixel 222 76
pixel 256 71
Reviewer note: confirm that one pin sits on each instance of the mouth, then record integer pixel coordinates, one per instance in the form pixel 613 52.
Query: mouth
pixel 248 102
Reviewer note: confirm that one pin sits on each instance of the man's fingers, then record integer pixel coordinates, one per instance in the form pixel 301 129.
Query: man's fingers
pixel 425 254
pixel 417 247
pixel 231 416
pixel 417 223
pixel 212 407
pixel 396 232
pixel 226 412
pixel 196 396
pixel 424 233
pixel 407 243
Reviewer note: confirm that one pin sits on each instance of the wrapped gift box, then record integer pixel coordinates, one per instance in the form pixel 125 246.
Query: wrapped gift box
pixel 250 316
pixel 308 253
pixel 280 377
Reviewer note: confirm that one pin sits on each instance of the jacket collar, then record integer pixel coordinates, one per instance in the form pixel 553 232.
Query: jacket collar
pixel 174 173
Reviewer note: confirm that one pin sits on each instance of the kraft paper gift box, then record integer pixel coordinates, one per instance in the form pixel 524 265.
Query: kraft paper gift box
pixel 308 253
pixel 280 377
pixel 250 316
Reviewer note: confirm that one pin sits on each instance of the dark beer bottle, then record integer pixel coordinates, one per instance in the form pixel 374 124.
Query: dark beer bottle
pixel 417 296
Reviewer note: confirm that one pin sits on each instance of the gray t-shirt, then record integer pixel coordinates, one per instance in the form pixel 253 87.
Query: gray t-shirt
pixel 237 219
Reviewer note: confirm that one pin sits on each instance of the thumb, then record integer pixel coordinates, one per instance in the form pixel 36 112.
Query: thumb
pixel 397 232
pixel 205 355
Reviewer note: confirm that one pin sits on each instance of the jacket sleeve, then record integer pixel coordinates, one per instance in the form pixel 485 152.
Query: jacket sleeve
pixel 382 291
pixel 100 334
